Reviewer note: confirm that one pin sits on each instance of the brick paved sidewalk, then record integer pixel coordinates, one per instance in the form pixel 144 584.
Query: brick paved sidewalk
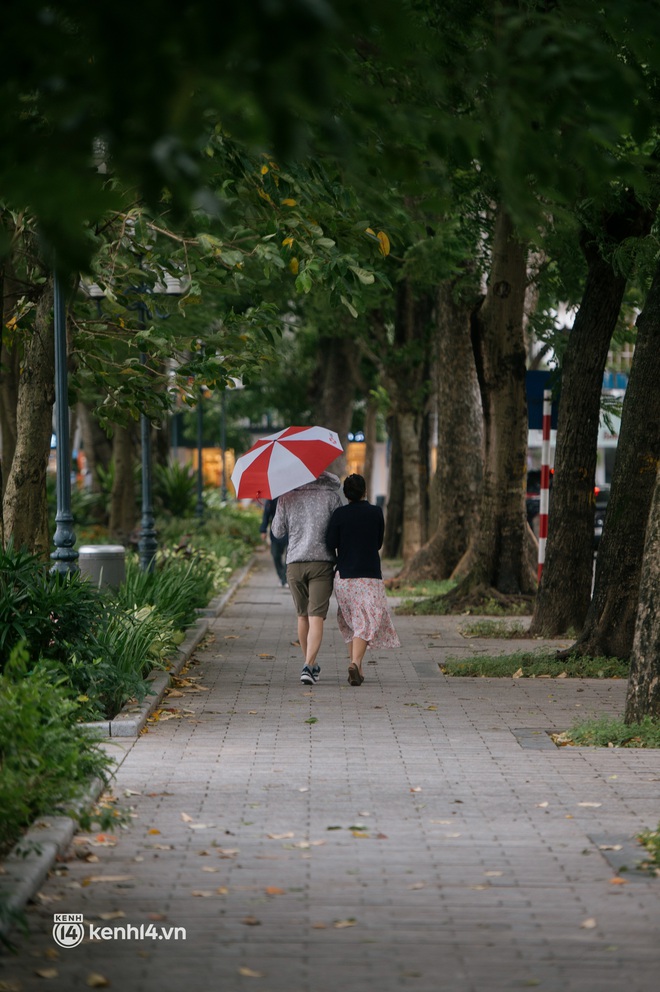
pixel 416 833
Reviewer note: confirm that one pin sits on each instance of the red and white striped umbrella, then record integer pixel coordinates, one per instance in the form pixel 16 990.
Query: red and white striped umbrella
pixel 283 461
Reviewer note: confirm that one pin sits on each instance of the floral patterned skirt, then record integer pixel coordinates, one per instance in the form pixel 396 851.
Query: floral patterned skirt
pixel 363 611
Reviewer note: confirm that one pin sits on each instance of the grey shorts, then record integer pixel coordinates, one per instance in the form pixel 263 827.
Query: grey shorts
pixel 310 583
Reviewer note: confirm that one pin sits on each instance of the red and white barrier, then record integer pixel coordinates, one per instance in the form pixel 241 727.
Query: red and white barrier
pixel 545 479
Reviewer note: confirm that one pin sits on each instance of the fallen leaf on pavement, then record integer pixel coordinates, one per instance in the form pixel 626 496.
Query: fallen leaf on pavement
pixel 285 836
pixel 251 921
pixel 518 674
pixel 210 868
pixel 618 881
pixel 249 973
pixel 186 818
pixel 202 893
pixel 590 804
pixel 609 847
pixel 342 924
pixel 588 924
pixel 154 830
pixel 107 878
pixel 273 890
pixel 96 981
pixel 116 915
pixel 47 972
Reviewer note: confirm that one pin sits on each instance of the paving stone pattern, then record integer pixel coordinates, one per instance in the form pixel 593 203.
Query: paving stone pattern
pixel 421 834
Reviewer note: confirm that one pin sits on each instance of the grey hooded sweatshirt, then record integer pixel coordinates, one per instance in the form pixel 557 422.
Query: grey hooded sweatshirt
pixel 303 514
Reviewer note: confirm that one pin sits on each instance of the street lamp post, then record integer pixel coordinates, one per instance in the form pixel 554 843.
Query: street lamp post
pixel 65 558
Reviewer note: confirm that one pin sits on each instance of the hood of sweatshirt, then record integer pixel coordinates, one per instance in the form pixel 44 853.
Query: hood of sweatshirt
pixel 326 480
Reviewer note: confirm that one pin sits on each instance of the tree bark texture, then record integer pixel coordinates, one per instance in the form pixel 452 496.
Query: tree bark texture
pixel 392 542
pixel 123 503
pixel 643 696
pixel 610 624
pixel 9 371
pixel 456 485
pixel 565 592
pixel 406 375
pixel 25 507
pixel 499 559
pixel 335 390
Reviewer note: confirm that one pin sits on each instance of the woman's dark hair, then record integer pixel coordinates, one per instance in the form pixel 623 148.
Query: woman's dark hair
pixel 354 487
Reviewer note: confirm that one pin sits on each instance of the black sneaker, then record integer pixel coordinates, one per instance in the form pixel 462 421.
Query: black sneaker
pixel 316 672
pixel 307 676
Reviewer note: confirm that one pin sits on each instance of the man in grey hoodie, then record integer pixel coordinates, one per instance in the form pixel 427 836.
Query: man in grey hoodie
pixel 303 514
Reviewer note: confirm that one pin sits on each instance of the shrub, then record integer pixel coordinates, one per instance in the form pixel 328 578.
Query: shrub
pixel 54 615
pixel 46 760
pixel 175 489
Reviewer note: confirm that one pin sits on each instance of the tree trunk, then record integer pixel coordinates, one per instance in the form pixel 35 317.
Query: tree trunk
pixel 610 625
pixel 392 541
pixel 456 486
pixel 123 505
pixel 9 372
pixel 406 376
pixel 643 697
pixel 25 507
pixel 335 391
pixel 369 444
pixel 565 591
pixel 499 558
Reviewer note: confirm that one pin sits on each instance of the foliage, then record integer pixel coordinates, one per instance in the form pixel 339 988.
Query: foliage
pixel 651 841
pixel 613 732
pixel 46 760
pixel 175 489
pixel 536 664
pixel 56 616
pixel 178 585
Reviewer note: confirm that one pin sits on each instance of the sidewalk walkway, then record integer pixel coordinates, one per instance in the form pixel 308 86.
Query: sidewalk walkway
pixel 416 833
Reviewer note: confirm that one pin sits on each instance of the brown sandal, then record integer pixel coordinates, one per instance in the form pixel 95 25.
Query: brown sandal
pixel 354 677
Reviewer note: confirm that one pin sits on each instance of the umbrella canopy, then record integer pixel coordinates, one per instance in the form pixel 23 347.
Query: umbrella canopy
pixel 283 461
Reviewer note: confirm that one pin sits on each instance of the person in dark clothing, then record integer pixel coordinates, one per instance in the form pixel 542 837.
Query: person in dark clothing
pixel 277 544
pixel 355 534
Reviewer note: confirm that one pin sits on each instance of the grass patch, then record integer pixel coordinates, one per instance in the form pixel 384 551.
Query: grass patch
pixel 650 839
pixel 443 605
pixel 612 732
pixel 494 628
pixel 534 665
pixel 412 591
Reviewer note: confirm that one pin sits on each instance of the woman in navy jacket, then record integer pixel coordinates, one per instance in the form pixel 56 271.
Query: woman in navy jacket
pixel 355 534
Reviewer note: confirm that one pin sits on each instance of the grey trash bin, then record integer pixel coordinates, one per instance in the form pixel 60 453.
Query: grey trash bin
pixel 103 564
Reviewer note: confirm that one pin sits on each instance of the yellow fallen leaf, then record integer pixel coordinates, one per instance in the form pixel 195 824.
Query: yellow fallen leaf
pixel 107 878
pixel 153 830
pixel 47 972
pixel 202 893
pixel 588 924
pixel 210 868
pixel 273 890
pixel 249 973
pixel 590 804
pixel 222 890
pixel 342 924
pixel 518 674
pixel 618 881
pixel 285 836
pixel 96 981
pixel 117 914
pixel 494 874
